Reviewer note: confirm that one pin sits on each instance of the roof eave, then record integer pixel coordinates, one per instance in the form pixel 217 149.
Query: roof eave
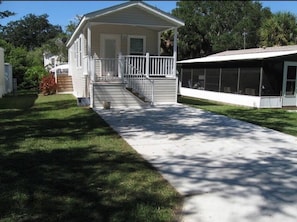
pixel 217 59
pixel 92 15
pixel 79 27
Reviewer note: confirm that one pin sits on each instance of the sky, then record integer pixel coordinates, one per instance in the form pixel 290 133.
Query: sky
pixel 62 12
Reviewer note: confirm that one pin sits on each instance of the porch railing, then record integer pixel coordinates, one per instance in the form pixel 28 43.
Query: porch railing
pixel 161 66
pixel 152 66
pixel 105 69
pixel 132 69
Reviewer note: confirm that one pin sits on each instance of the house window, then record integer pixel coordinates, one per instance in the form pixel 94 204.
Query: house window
pixel 78 56
pixel 136 45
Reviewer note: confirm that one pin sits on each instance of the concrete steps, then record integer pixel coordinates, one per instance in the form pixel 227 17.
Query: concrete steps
pixel 116 94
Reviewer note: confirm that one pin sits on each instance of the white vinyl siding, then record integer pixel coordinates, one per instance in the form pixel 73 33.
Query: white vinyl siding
pixel 128 15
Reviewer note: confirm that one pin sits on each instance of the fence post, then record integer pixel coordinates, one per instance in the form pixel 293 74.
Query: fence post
pixel 147 64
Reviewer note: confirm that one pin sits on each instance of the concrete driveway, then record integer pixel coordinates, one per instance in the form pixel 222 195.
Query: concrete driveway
pixel 227 170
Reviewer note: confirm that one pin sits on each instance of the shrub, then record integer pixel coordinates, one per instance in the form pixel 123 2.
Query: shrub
pixel 32 77
pixel 48 85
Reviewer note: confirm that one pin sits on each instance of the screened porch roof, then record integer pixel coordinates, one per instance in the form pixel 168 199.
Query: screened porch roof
pixel 248 54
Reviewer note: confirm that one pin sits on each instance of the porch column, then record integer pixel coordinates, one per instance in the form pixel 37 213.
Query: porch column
pixel 174 51
pixel 89 41
pixel 147 65
pixel 159 43
pixel 120 67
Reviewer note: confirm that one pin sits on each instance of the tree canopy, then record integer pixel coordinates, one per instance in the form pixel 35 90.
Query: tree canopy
pixel 30 32
pixel 280 29
pixel 26 40
pixel 212 26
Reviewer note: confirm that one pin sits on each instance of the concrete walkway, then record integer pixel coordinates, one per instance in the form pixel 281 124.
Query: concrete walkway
pixel 227 170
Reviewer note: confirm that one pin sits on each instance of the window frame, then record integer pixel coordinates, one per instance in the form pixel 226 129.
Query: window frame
pixel 136 37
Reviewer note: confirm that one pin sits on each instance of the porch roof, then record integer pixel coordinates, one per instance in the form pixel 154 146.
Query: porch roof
pixel 154 18
pixel 248 54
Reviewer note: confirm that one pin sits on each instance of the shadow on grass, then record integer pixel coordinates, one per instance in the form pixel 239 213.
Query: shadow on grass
pixel 21 102
pixel 74 185
pixel 60 162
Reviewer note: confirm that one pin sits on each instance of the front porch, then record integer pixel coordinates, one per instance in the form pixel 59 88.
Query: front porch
pixel 151 78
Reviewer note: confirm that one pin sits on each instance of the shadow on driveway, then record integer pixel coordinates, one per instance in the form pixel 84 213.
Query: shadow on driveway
pixel 227 170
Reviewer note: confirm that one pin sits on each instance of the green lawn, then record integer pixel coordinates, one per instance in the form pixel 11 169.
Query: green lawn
pixel 278 119
pixel 60 162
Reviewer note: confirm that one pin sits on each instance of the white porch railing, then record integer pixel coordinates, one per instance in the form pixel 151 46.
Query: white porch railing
pixel 152 66
pixel 105 69
pixel 133 73
pixel 161 66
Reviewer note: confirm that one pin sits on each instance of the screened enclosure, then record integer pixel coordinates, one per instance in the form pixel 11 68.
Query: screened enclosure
pixel 255 79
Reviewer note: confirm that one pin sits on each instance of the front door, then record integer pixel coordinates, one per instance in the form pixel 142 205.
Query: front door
pixel 110 49
pixel 289 84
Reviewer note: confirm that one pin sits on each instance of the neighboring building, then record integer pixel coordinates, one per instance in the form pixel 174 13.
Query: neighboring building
pixel 8 78
pixel 2 78
pixel 118 48
pixel 261 77
pixel 50 61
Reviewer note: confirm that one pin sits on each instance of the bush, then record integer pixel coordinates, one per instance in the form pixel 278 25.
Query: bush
pixel 32 77
pixel 48 85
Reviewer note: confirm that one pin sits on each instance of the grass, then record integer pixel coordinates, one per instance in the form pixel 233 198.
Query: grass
pixel 60 162
pixel 277 119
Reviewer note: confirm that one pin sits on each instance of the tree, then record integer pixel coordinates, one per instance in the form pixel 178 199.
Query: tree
pixel 30 32
pixel 167 40
pixel 5 14
pixel 17 57
pixel 70 28
pixel 57 46
pixel 280 29
pixel 211 26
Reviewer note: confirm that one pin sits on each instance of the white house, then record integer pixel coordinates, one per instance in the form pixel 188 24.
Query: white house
pixel 260 77
pixel 116 51
pixel 50 61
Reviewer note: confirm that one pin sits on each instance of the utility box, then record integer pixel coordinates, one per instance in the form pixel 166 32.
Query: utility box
pixel 83 101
